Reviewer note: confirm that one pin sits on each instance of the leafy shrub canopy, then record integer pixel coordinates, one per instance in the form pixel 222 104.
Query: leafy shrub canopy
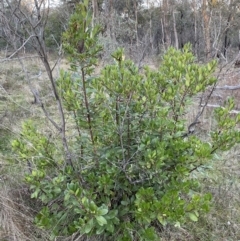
pixel 132 163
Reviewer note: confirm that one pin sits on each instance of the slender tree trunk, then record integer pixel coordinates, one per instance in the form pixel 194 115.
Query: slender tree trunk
pixel 136 22
pixel 163 35
pixel 109 19
pixel 175 31
pixel 206 29
pixel 166 23
pixel 151 31
pixel 232 12
pixel 226 39
pixel 196 42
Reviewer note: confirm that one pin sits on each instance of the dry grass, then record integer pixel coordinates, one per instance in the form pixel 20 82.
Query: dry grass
pixel 16 217
pixel 16 212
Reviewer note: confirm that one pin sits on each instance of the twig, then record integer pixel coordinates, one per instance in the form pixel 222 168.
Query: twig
pixel 203 106
pixel 22 46
pixel 87 105
pixel 228 87
pixel 217 106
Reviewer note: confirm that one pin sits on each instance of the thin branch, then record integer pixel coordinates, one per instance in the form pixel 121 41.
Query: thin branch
pixel 228 87
pixel 203 106
pixel 217 106
pixel 89 120
pixel 22 46
pixel 49 118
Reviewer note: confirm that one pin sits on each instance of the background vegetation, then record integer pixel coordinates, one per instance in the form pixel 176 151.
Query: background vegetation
pixel 100 147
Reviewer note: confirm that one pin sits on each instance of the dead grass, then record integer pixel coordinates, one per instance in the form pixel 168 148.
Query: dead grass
pixel 16 215
pixel 17 209
pixel 14 222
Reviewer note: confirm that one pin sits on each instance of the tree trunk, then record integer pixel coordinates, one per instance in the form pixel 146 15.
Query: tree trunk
pixel 166 23
pixel 109 20
pixel 230 20
pixel 151 31
pixel 175 31
pixel 206 29
pixel 196 42
pixel 136 21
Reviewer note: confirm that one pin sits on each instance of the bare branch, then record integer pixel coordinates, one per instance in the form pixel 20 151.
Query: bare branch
pixel 217 106
pixel 21 47
pixel 228 87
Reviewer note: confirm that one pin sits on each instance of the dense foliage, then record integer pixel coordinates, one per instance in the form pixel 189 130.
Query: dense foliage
pixel 131 158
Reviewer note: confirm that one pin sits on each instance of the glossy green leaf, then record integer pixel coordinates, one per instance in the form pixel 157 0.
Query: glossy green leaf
pixel 101 220
pixel 102 211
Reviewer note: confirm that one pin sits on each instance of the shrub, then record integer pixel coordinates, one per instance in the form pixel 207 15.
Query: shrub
pixel 131 160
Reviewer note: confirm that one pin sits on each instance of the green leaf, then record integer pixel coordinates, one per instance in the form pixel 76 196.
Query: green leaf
pixel 89 226
pixel 85 201
pixel 77 192
pixel 193 217
pixel 112 214
pixel 100 230
pixel 57 190
pixel 102 211
pixel 35 194
pixel 149 234
pixel 198 88
pixel 101 220
pixel 162 220
pixel 110 228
